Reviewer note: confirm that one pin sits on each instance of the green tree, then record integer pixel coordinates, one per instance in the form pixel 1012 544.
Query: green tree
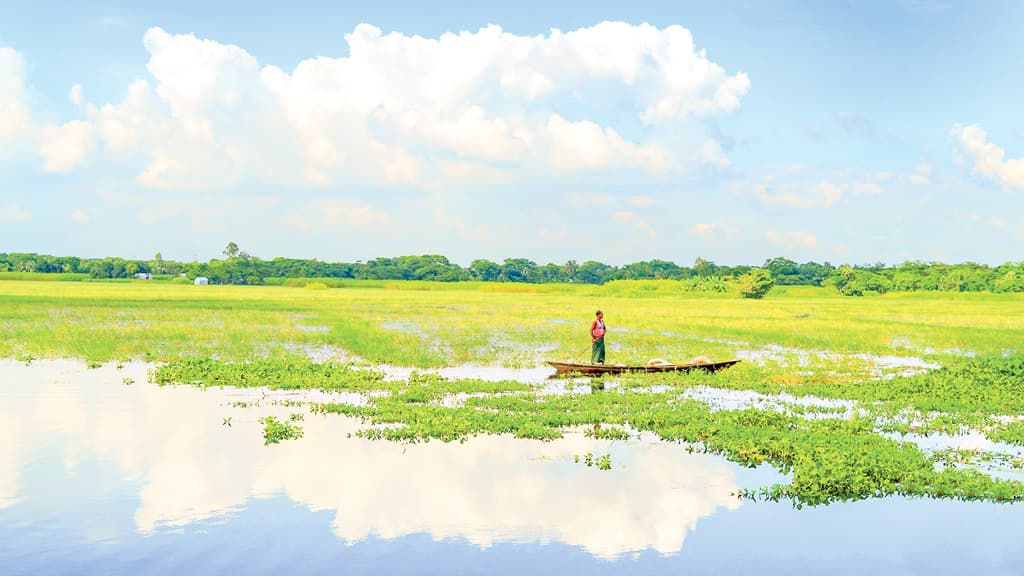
pixel 484 270
pixel 702 267
pixel 756 283
pixel 591 272
pixel 231 250
pixel 158 264
pixel 570 268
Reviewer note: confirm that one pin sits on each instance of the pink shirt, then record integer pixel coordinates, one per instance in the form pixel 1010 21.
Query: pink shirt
pixel 597 329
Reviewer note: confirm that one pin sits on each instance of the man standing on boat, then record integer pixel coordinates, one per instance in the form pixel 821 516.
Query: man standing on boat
pixel 597 330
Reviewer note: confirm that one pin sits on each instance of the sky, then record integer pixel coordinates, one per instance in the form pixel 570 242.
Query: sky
pixel 847 132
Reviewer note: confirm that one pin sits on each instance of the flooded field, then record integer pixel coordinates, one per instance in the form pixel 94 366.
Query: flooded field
pixel 104 472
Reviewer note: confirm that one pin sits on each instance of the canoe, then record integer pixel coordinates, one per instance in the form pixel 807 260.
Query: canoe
pixel 587 369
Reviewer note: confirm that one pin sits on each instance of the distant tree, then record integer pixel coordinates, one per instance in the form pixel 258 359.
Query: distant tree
pixel 591 272
pixel 552 273
pixel 157 266
pixel 484 270
pixel 1011 281
pixel 852 281
pixel 703 267
pixel 231 250
pixel 569 268
pixel 518 270
pixel 756 283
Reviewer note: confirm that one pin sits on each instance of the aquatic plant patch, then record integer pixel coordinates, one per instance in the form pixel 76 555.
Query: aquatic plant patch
pixel 829 459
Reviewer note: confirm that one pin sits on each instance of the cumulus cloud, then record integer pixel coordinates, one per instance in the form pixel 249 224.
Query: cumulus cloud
pixel 614 201
pixel 586 199
pixel 586 145
pixel 869 188
pixel 713 230
pixel 469 173
pixel 641 201
pixel 80 217
pixel 13 212
pixel 635 221
pixel 64 147
pixel 819 195
pixel 792 238
pixel 986 158
pixel 14 115
pixel 330 213
pixel 400 110
pixel 922 174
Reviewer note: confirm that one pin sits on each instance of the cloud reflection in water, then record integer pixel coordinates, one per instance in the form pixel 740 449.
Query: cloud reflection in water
pixel 172 442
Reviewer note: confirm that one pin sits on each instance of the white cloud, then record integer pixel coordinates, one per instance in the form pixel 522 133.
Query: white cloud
pixel 65 147
pixel 868 188
pixel 585 145
pixel 640 201
pixel 14 116
pixel 713 230
pixel 591 199
pixel 585 199
pixel 80 217
pixel 820 195
pixel 330 213
pixel 13 212
pixel 711 153
pixel 986 158
pixel 634 220
pixel 792 238
pixel 922 174
pixel 455 172
pixel 401 110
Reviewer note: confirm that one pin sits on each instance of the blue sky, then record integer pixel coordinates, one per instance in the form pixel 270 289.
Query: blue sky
pixel 734 131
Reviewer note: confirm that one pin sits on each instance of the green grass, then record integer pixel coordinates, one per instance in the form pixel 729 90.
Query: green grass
pixel 44 277
pixel 437 324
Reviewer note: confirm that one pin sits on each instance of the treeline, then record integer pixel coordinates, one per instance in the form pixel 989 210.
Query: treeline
pixel 237 267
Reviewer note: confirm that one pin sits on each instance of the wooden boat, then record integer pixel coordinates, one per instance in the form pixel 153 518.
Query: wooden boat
pixel 587 369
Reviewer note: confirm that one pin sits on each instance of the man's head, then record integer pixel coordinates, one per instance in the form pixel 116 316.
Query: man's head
pixel 599 314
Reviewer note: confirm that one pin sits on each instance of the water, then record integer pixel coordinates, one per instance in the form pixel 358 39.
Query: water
pixel 99 476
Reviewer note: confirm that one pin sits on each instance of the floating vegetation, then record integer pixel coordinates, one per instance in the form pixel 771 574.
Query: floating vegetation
pixel 977 457
pixel 846 456
pixel 602 462
pixel 275 431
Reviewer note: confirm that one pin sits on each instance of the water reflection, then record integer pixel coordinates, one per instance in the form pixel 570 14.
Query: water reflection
pixel 179 463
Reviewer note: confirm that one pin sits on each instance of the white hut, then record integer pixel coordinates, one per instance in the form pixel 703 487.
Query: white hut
pixel 202 281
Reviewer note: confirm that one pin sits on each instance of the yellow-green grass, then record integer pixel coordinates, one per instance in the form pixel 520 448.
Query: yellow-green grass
pixel 435 324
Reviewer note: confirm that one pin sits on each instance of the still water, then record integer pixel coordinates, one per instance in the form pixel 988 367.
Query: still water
pixel 103 473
